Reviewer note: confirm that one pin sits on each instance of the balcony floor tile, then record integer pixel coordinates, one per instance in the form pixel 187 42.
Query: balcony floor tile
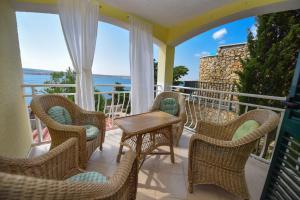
pixel 159 179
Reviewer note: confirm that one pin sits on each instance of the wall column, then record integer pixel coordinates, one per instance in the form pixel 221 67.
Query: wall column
pixel 165 66
pixel 15 134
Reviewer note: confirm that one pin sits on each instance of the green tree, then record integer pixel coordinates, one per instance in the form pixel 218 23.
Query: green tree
pixel 270 66
pixel 69 77
pixel 178 73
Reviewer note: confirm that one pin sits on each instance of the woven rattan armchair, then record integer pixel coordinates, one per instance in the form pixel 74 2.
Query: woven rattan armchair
pixel 60 132
pixel 215 159
pixel 43 177
pixel 177 128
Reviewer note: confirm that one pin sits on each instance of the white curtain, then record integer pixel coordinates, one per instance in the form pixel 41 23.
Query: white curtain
pixel 79 20
pixel 141 65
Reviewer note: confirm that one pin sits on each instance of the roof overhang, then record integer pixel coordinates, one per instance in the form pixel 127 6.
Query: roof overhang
pixel 173 31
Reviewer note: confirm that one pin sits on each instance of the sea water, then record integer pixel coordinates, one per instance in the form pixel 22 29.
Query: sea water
pixel 33 76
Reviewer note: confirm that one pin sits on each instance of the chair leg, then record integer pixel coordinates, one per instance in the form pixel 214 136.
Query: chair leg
pixel 191 188
pixel 120 153
pixel 121 148
pixel 171 145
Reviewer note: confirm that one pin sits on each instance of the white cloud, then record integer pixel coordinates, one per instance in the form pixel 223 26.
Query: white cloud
pixel 201 54
pixel 253 29
pixel 219 34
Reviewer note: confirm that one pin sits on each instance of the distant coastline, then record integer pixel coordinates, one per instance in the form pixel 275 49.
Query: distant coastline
pixel 48 72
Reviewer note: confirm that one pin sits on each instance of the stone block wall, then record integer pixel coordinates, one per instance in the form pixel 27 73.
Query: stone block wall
pixel 221 68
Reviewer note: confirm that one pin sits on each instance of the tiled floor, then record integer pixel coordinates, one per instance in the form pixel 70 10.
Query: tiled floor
pixel 160 179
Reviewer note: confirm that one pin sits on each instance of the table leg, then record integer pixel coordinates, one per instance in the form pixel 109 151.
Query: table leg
pixel 171 144
pixel 138 147
pixel 121 148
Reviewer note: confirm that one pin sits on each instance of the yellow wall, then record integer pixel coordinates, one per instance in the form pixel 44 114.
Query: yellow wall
pixel 165 66
pixel 15 136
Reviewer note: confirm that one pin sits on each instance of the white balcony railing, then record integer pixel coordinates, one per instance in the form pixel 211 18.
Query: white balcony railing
pixel 201 104
pixel 222 106
pixel 111 99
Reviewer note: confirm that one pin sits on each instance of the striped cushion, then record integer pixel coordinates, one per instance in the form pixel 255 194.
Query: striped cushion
pixel 91 132
pixel 169 105
pixel 60 115
pixel 90 177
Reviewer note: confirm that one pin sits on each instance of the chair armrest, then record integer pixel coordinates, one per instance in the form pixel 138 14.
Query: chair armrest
pixel 56 164
pixel 231 155
pixel 68 131
pixel 93 118
pixel 122 185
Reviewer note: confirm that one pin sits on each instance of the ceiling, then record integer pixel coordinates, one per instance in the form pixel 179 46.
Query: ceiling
pixel 167 12
pixel 174 21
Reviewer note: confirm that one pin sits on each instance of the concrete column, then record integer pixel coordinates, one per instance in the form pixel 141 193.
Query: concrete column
pixel 165 66
pixel 15 134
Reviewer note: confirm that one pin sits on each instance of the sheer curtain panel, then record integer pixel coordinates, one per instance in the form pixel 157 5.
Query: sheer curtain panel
pixel 141 65
pixel 79 20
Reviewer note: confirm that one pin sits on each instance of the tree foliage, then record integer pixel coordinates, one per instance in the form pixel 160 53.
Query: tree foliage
pixel 69 77
pixel 270 66
pixel 178 72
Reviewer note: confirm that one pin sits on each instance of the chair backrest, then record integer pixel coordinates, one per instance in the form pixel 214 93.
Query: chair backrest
pixel 267 119
pixel 40 105
pixel 177 96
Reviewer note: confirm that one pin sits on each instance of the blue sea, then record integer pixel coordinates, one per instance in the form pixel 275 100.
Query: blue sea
pixel 35 76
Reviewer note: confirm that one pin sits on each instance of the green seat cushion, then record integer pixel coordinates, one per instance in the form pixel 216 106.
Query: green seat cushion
pixel 91 132
pixel 244 129
pixel 60 115
pixel 89 177
pixel 169 105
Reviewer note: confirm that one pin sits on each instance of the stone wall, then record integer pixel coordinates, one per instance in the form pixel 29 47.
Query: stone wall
pixel 221 68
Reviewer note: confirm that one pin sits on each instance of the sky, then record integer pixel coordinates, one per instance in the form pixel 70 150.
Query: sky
pixel 42 45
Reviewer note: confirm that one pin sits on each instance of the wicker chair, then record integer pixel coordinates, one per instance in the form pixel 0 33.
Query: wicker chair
pixel 43 177
pixel 60 133
pixel 215 159
pixel 177 128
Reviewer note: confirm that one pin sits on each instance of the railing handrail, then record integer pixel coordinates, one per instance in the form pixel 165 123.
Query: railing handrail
pixel 233 93
pixel 112 92
pixel 114 85
pixel 74 85
pixel 237 102
pixel 48 85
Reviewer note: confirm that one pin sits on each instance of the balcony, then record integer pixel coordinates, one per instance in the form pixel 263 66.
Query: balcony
pixel 159 178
